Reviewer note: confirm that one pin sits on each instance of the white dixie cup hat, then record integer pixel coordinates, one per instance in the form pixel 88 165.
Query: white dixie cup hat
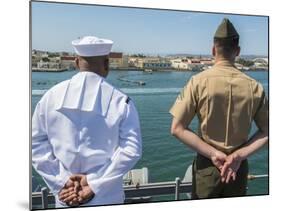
pixel 89 46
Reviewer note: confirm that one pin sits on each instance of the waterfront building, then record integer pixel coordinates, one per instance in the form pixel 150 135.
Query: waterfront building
pixel 48 65
pixel 116 59
pixel 194 64
pixel 135 62
pixel 260 62
pixel 156 63
pixel 65 54
pixel 193 61
pixel 206 61
pixel 125 61
pixel 67 62
pixel 35 59
pixel 179 64
pixel 56 59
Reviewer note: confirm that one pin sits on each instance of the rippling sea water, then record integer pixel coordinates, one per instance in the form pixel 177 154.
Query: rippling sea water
pixel 164 156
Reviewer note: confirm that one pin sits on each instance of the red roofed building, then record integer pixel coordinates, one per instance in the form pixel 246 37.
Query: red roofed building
pixel 118 60
pixel 68 62
pixel 115 55
pixel 68 58
pixel 207 61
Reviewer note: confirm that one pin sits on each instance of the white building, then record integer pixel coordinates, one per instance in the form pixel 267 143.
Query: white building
pixel 179 64
pixel 125 61
pixel 260 62
pixel 48 65
pixel 135 62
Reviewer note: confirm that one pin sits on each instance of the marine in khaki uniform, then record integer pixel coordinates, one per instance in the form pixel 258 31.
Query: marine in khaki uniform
pixel 226 102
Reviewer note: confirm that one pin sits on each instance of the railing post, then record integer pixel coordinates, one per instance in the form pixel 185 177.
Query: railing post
pixel 44 195
pixel 177 189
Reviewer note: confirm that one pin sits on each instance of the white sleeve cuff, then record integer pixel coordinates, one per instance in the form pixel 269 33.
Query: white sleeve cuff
pixel 95 184
pixel 61 181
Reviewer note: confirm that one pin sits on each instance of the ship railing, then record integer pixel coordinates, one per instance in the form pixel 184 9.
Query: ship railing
pixel 43 199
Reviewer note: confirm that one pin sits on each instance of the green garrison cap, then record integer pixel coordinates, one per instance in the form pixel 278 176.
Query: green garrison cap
pixel 226 30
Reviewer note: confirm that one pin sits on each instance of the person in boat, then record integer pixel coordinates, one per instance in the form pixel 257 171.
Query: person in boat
pixel 85 132
pixel 226 102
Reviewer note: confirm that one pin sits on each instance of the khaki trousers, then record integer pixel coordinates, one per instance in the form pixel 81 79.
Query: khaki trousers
pixel 206 181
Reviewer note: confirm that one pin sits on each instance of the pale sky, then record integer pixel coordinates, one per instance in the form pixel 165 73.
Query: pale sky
pixel 55 25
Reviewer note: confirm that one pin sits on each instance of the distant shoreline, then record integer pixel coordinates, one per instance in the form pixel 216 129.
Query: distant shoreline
pixel 138 69
pixel 49 70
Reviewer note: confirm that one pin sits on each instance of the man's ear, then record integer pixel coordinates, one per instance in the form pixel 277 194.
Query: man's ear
pixel 214 51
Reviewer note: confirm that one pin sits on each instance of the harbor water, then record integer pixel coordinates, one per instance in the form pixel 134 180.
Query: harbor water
pixel 164 156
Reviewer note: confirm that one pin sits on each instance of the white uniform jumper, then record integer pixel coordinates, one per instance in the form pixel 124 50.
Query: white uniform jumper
pixel 85 125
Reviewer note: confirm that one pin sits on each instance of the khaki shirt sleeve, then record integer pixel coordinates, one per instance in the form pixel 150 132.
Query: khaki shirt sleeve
pixel 261 115
pixel 185 105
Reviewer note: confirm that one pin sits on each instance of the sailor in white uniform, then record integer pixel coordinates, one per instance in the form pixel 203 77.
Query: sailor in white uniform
pixel 86 126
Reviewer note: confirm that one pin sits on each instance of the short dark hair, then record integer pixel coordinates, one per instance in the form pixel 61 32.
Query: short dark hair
pixel 226 46
pixel 92 59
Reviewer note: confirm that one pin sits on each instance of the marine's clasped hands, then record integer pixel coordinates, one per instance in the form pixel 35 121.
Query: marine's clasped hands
pixel 228 165
pixel 76 191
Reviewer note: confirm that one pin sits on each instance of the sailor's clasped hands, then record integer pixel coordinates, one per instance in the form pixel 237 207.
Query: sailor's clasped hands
pixel 76 191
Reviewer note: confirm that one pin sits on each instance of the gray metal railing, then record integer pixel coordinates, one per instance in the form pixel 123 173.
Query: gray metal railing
pixel 44 198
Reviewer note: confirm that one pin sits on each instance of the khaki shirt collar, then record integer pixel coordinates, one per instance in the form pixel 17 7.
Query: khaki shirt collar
pixel 226 67
pixel 224 63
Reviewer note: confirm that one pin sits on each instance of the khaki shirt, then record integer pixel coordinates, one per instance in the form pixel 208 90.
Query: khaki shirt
pixel 226 102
